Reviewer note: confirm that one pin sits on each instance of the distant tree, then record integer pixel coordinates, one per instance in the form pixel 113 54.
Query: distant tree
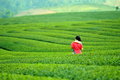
pixel 8 13
pixel 117 8
pixel 5 13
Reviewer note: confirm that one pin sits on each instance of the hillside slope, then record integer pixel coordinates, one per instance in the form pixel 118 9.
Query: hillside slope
pixel 12 7
pixel 38 47
pixel 62 17
pixel 35 12
pixel 73 8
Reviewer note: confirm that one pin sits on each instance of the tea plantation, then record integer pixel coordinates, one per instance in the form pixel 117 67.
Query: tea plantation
pixel 38 47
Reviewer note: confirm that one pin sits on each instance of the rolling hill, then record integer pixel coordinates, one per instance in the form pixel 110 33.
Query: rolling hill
pixel 38 47
pixel 12 7
pixel 62 17
pixel 62 9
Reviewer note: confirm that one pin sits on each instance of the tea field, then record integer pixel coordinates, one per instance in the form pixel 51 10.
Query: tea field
pixel 38 47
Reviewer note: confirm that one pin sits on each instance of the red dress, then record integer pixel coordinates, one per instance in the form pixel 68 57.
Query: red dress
pixel 77 47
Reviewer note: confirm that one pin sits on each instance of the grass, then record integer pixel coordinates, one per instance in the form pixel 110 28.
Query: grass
pixel 6 76
pixel 63 17
pixel 82 8
pixel 33 50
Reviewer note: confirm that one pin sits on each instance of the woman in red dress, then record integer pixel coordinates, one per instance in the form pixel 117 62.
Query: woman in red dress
pixel 77 45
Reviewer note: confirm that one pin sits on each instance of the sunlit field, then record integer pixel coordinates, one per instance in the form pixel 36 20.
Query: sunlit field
pixel 38 47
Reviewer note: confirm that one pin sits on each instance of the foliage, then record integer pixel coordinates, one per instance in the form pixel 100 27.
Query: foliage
pixel 33 50
pixel 63 17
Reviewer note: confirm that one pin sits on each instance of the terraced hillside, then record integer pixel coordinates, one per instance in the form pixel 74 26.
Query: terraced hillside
pixel 41 50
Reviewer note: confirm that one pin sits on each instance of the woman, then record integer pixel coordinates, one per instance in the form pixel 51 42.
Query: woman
pixel 77 45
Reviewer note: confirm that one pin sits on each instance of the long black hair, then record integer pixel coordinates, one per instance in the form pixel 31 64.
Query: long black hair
pixel 78 38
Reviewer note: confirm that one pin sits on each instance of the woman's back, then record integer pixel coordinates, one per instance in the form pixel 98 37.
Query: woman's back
pixel 77 45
